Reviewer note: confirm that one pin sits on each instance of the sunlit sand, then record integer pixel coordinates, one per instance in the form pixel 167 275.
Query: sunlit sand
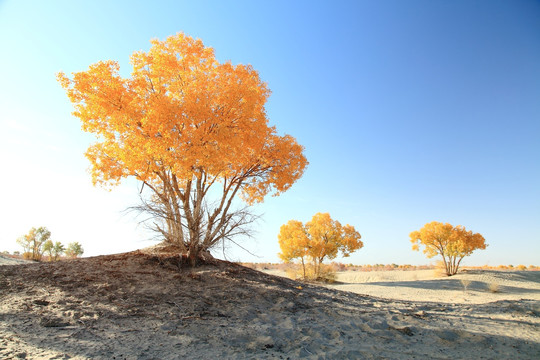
pixel 141 306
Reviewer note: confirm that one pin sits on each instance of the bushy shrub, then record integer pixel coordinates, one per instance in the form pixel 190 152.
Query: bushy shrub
pixel 494 287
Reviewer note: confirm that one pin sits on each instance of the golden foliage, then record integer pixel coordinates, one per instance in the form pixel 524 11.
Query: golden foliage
pixel 323 273
pixel 293 240
pixel 184 112
pixel 181 123
pixel 453 243
pixel 33 243
pixel 318 239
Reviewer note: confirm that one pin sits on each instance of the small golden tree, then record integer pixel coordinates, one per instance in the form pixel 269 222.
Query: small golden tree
pixel 74 249
pixel 319 239
pixel 294 243
pixel 453 243
pixel 55 250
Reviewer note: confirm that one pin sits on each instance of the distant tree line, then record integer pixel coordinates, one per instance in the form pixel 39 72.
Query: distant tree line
pixel 37 243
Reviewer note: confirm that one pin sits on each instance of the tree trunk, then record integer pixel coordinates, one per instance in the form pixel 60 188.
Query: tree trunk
pixel 446 265
pixel 193 257
pixel 185 219
pixel 457 265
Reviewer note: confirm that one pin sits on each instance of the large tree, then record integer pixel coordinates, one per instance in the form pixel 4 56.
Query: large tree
pixel 188 128
pixel 319 239
pixel 453 243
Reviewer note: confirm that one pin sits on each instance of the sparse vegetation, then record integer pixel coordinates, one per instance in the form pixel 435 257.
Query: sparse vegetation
pixel 465 283
pixel 37 243
pixel 337 266
pixel 493 287
pixel 33 242
pixel 74 250
pixel 325 273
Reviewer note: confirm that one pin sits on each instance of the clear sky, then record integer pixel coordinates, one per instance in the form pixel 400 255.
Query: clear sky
pixel 410 112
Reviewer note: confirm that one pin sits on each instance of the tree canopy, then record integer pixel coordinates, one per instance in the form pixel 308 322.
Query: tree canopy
pixel 181 124
pixel 74 249
pixel 54 250
pixel 33 242
pixel 319 239
pixel 453 243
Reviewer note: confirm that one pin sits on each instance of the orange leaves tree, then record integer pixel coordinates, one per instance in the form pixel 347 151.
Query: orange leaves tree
pixel 453 243
pixel 294 243
pixel 188 128
pixel 319 239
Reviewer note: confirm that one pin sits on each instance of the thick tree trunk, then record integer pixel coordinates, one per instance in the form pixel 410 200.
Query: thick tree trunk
pixel 193 257
pixel 185 219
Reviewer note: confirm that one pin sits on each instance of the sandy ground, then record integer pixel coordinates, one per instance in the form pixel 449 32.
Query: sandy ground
pixel 6 260
pixel 143 306
pixel 467 287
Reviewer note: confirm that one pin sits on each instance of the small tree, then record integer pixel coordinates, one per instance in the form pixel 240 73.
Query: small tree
pixel 33 242
pixel 53 250
pixel 453 243
pixel 294 243
pixel 319 239
pixel 26 242
pixel 58 250
pixel 74 250
pixel 48 248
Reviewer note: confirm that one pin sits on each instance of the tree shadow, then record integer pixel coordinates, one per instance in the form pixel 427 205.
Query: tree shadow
pixel 452 284
pixel 512 275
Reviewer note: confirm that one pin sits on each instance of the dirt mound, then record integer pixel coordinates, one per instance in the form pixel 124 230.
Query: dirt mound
pixel 143 305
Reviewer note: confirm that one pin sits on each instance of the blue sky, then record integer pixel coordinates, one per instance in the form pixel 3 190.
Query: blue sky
pixel 410 112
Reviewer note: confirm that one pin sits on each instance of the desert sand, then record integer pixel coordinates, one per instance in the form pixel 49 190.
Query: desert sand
pixel 143 305
pixel 466 287
pixel 7 260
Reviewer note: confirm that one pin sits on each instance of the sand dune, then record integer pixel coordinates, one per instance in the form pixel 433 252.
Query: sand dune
pixel 143 306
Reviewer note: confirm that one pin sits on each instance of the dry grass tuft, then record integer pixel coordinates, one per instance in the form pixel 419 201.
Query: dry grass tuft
pixel 326 273
pixel 493 287
pixel 465 283
pixel 440 270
